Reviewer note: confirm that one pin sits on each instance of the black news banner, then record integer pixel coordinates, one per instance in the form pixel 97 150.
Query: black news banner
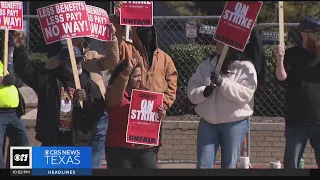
pixel 184 172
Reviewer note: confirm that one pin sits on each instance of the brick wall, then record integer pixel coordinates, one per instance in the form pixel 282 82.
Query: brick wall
pixel 179 142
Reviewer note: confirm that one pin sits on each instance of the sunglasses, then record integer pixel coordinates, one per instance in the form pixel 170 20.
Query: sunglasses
pixel 315 33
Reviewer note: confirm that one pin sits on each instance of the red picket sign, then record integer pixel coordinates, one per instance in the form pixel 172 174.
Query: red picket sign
pixel 64 20
pixel 11 15
pixel 143 120
pixel 99 21
pixel 137 13
pixel 236 23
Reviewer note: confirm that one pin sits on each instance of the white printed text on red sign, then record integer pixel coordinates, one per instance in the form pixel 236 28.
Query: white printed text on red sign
pixel 11 15
pixel 136 13
pixel 64 20
pixel 99 23
pixel 236 23
pixel 143 119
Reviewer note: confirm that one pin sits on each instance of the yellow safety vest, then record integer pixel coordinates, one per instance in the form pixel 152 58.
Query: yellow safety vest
pixel 9 95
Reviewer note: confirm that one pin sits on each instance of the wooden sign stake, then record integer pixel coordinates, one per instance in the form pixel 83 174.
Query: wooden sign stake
pixel 127 33
pixel 221 59
pixel 5 52
pixel 281 24
pixel 74 67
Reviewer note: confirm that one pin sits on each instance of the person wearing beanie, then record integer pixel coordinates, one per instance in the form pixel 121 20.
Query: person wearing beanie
pixel 299 68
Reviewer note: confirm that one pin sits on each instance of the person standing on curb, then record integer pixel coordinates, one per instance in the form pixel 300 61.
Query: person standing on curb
pixel 159 73
pixel 111 54
pixel 61 121
pixel 299 67
pixel 12 107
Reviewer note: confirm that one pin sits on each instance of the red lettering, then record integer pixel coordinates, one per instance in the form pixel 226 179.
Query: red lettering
pixel 67 124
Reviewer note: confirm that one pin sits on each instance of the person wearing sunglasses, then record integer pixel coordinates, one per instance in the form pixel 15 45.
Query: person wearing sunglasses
pixel 299 68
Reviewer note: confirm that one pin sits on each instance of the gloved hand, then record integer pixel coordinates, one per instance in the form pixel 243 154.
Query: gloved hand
pixel 208 90
pixel 216 79
pixel 9 80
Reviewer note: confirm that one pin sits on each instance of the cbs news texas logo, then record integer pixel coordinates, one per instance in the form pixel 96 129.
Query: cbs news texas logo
pixel 50 157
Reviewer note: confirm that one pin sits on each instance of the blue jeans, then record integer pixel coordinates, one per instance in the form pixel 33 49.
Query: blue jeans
pixel 229 135
pixel 98 141
pixel 296 140
pixel 13 126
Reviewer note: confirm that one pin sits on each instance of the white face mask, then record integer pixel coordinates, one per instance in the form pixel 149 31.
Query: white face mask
pixel 79 67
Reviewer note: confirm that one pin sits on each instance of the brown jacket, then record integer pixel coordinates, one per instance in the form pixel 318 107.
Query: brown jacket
pixel 95 63
pixel 161 76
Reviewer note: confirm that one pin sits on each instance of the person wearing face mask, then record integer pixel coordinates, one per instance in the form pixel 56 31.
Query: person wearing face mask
pixel 225 101
pixel 159 73
pixel 100 56
pixel 159 69
pixel 299 67
pixel 61 121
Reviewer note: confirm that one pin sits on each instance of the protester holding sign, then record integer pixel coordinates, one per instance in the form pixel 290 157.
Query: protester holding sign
pixel 223 86
pixel 299 67
pixel 11 109
pixel 120 154
pixel 224 102
pixel 159 73
pixel 96 63
pixel 60 119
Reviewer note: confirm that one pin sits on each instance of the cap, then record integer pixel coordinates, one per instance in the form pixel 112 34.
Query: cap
pixel 64 54
pixel 309 23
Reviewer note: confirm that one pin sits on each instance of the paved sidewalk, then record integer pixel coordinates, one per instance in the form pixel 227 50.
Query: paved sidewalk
pixel 193 166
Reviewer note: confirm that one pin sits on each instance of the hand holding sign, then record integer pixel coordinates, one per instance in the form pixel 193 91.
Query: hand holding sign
pixel 117 7
pixel 279 51
pixel 80 95
pixel 112 29
pixel 161 111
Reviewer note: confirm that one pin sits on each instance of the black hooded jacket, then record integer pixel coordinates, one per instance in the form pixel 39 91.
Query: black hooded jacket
pixel 255 53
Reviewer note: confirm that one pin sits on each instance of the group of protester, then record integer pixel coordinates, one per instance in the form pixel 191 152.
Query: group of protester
pixel 108 71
